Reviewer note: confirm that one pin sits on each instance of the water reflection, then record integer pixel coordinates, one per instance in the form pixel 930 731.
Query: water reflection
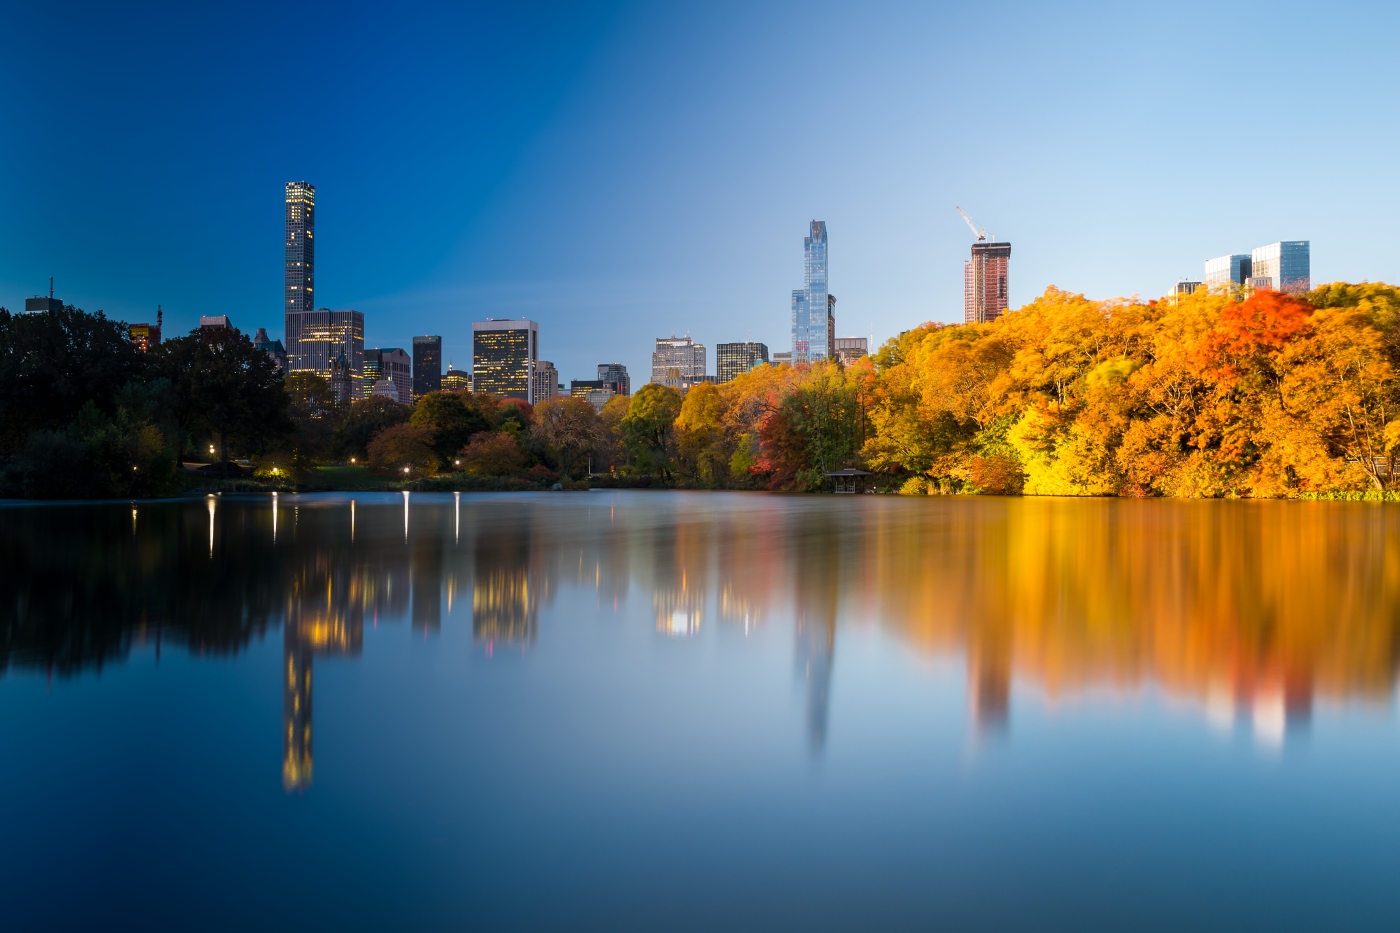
pixel 1249 610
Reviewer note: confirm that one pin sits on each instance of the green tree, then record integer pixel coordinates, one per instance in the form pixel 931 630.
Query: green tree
pixel 402 451
pixel 649 427
pixel 365 419
pixel 54 363
pixel 449 421
pixel 223 385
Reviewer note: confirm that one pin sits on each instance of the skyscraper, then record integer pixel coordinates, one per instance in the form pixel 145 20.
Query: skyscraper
pixel 985 288
pixel 315 338
pixel 678 362
pixel 546 381
pixel 1227 270
pixel 812 312
pixel 616 373
pixel 1287 266
pixel 396 368
pixel 850 349
pixel 503 357
pixel 427 365
pixel 734 359
pixel 299 279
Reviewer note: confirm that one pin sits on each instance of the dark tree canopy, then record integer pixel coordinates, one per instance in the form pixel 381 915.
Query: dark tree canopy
pixel 53 363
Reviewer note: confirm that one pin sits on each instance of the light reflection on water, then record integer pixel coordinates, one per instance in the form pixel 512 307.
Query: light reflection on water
pixel 1249 614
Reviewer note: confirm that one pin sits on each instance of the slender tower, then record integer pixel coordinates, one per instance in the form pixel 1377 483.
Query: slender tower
pixel 811 311
pixel 300 279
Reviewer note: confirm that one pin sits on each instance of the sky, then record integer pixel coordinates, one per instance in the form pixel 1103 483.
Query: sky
pixel 620 172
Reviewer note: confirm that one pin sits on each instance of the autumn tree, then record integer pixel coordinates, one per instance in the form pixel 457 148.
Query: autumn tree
pixel 566 427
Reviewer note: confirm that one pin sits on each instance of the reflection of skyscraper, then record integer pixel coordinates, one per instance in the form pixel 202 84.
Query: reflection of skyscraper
pixel 321 619
pixel 505 603
pixel 816 601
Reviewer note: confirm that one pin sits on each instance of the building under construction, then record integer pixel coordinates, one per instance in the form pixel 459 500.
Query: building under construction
pixel 985 288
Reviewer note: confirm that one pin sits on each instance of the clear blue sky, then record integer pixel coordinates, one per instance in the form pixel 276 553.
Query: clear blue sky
pixel 621 172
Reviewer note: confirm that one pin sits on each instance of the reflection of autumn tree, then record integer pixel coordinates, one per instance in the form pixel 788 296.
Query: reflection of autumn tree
pixel 1194 596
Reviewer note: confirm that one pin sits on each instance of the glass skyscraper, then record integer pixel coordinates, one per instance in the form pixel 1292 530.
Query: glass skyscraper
pixel 427 365
pixel 735 359
pixel 503 358
pixel 1286 264
pixel 813 315
pixel 1227 270
pixel 316 338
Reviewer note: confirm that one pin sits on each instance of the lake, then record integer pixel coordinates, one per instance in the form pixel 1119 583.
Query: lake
pixel 651 710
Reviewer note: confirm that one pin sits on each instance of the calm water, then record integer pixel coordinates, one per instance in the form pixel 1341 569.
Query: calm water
pixel 653 710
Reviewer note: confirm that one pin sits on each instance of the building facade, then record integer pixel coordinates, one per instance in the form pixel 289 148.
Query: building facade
pixel 782 358
pixel 214 323
pixel 735 359
pixel 1227 270
pixel 596 392
pixel 427 365
pixel 850 349
pixel 985 282
pixel 678 362
pixel 145 336
pixel 299 277
pixel 273 348
pixel 395 366
pixel 456 380
pixel 616 373
pixel 546 381
pixel 342 381
pixel 813 314
pixel 1286 264
pixel 316 338
pixel 504 353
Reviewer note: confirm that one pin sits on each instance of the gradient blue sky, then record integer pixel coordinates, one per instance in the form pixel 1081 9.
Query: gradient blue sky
pixel 619 172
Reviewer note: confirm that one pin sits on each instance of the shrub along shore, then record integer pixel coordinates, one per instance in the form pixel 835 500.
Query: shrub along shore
pixel 1214 394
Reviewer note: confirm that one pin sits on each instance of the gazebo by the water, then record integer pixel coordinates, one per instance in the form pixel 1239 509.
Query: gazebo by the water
pixel 848 480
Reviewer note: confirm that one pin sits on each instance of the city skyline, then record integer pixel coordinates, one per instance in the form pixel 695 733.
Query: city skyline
pixel 531 134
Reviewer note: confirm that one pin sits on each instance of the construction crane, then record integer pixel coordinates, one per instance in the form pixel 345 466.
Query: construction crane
pixel 980 234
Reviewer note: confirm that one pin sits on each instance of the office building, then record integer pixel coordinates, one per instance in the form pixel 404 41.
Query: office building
pixel 596 392
pixel 145 336
pixel 678 362
pixel 272 348
pixel 427 365
pixel 782 358
pixel 213 324
pixel 455 380
pixel 546 381
pixel 985 288
pixel 1227 270
pixel 504 353
pixel 394 366
pixel 616 373
pixel 813 322
pixel 1286 265
pixel 300 252
pixel 40 303
pixel 385 388
pixel 371 373
pixel 850 349
pixel 830 325
pixel 316 338
pixel 1187 288
pixel 734 359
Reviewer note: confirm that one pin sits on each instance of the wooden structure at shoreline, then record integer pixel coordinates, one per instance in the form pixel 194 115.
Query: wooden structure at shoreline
pixel 848 480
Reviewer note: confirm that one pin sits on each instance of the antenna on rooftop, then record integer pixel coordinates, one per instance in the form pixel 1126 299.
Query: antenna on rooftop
pixel 50 286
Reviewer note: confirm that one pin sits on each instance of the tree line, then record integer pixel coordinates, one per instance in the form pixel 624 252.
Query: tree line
pixel 1211 394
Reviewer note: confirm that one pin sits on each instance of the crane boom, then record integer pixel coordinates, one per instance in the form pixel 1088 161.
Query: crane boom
pixel 980 234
